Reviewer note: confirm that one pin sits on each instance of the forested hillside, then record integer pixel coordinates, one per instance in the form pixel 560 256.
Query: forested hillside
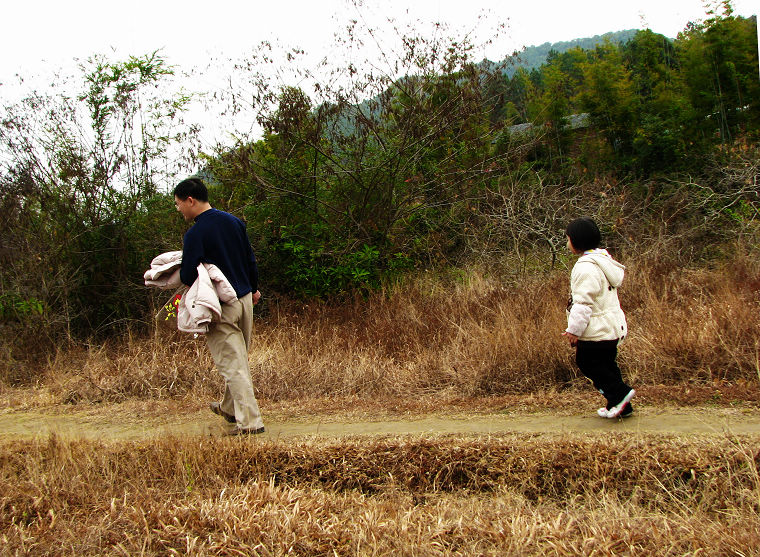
pixel 534 56
pixel 358 183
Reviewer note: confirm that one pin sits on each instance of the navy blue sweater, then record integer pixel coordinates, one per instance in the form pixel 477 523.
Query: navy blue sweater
pixel 220 238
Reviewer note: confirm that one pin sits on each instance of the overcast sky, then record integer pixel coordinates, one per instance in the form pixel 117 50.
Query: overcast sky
pixel 41 34
pixel 41 37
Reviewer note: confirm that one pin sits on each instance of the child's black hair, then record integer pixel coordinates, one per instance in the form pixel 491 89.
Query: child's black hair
pixel 584 234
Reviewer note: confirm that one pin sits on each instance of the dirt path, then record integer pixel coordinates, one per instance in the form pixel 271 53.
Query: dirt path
pixel 116 423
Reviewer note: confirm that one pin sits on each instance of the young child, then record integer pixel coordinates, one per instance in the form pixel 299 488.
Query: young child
pixel 595 322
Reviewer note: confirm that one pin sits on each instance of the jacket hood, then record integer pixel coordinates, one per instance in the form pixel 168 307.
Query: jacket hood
pixel 613 270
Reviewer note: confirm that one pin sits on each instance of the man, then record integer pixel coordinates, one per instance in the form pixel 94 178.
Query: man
pixel 220 238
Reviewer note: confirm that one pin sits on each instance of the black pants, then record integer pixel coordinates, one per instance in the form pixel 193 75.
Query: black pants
pixel 597 360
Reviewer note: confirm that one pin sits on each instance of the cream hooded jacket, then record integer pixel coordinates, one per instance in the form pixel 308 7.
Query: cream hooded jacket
pixel 594 313
pixel 202 303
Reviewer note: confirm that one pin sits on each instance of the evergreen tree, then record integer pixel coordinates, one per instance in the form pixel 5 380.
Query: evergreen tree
pixel 720 66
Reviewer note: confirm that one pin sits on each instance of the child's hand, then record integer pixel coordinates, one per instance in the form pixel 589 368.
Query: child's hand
pixel 571 337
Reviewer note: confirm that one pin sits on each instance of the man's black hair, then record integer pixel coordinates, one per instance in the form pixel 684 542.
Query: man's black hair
pixel 192 187
pixel 584 234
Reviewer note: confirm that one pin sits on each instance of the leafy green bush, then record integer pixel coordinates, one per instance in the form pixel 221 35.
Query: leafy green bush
pixel 16 307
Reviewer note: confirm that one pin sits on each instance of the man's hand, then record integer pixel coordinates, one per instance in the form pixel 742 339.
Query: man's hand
pixel 571 337
pixel 256 297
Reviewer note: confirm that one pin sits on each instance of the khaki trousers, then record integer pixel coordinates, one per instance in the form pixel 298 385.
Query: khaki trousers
pixel 229 340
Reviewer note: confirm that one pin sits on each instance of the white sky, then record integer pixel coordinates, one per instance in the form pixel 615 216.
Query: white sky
pixel 42 36
pixel 43 33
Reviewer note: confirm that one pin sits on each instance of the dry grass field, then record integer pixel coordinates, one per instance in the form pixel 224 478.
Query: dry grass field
pixel 508 495
pixel 460 345
pixel 465 335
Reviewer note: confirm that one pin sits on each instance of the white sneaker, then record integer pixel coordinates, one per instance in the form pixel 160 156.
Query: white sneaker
pixel 615 411
pixel 602 412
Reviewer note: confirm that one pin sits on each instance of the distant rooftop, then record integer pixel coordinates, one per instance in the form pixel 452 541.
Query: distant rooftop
pixel 573 122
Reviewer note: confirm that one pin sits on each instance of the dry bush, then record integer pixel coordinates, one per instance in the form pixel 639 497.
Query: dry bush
pixel 693 324
pixel 427 337
pixel 468 338
pixel 168 365
pixel 447 496
pixel 476 334
pixel 484 336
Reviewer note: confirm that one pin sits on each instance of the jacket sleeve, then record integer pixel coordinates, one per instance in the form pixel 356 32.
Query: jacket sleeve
pixel 162 270
pixel 585 285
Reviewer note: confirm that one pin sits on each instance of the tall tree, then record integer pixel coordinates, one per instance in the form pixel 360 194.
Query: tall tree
pixel 720 61
pixel 381 167
pixel 77 175
pixel 664 136
pixel 609 97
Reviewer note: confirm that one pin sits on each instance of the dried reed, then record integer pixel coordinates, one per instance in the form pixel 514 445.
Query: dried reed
pixel 443 496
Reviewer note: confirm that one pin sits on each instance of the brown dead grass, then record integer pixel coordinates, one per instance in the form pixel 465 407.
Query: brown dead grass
pixel 471 337
pixel 473 345
pixel 513 495
pixel 694 324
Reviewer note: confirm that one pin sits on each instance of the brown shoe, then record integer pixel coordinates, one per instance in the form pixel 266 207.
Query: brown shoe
pixel 246 431
pixel 216 408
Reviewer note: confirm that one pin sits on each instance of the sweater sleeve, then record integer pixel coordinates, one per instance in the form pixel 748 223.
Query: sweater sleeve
pixel 192 255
